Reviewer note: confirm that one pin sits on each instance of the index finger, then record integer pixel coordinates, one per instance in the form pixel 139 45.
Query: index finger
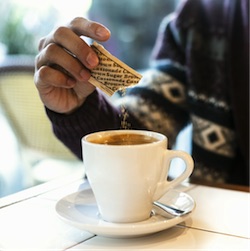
pixel 68 37
pixel 84 27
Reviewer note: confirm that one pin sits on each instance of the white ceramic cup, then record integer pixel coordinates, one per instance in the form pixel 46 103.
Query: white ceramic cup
pixel 127 179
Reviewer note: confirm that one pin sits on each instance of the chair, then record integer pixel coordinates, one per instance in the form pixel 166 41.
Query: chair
pixel 21 105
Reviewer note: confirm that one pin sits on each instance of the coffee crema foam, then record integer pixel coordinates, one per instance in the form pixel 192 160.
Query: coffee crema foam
pixel 124 139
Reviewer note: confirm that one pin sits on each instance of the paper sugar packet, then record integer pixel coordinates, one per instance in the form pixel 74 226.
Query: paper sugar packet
pixel 112 74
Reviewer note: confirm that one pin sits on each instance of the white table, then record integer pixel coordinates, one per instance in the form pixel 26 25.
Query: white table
pixel 28 221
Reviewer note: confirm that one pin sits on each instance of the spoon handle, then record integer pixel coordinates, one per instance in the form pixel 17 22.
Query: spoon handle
pixel 172 211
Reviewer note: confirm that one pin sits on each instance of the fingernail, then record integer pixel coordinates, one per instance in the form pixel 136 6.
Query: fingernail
pixel 102 32
pixel 92 59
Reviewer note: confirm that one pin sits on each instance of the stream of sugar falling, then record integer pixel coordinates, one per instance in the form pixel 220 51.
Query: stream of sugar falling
pixel 124 116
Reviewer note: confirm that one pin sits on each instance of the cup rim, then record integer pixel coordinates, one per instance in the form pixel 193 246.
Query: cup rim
pixel 161 137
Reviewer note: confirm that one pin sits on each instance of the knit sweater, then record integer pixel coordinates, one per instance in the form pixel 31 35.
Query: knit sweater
pixel 198 75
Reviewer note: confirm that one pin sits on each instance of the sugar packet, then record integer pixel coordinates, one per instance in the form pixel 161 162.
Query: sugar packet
pixel 112 74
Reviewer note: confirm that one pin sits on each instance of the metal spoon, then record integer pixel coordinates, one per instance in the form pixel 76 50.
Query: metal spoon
pixel 168 211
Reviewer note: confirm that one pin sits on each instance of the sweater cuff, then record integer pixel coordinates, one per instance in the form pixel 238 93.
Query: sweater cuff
pixel 94 115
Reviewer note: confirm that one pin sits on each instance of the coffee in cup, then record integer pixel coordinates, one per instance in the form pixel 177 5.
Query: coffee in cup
pixel 124 139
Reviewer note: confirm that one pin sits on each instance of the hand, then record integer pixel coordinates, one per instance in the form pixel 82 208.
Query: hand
pixel 63 64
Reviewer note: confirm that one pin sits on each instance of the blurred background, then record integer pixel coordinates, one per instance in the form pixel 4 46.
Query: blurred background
pixel 29 152
pixel 133 24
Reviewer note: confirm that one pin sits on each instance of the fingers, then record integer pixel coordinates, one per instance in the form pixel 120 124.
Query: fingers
pixel 48 77
pixel 73 44
pixel 94 30
pixel 81 27
pixel 57 57
pixel 76 46
pixel 70 38
pixel 60 93
pixel 64 62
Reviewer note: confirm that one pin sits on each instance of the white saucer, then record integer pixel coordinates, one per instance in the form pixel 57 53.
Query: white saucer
pixel 80 210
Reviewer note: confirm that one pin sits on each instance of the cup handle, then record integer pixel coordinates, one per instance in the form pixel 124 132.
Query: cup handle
pixel 165 185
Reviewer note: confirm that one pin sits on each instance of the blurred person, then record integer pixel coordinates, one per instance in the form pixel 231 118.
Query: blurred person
pixel 198 74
